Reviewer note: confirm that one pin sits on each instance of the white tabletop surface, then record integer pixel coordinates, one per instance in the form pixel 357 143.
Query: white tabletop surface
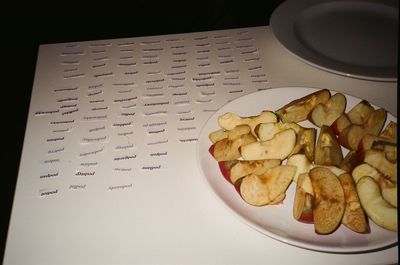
pixel 120 210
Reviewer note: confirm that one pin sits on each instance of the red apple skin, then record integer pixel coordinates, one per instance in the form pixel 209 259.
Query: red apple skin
pixel 307 217
pixel 340 124
pixel 225 171
pixel 211 149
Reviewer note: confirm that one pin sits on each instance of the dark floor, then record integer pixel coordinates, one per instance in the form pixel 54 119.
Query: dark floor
pixel 27 25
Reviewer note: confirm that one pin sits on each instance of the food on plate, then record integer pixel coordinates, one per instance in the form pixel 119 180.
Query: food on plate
pixel 302 164
pixel 360 112
pixel 243 168
pixel 390 131
pixel 266 131
pixel 378 160
pixel 329 203
pixel 230 120
pixel 340 124
pixel 375 122
pixel 327 149
pixel 389 190
pixel 278 147
pixel 304 199
pixel 226 149
pixel 377 209
pixel 365 169
pixel 327 112
pixel 350 161
pixel 262 156
pixel 263 189
pixel 305 142
pixel 299 109
pixel 351 136
pixel 354 217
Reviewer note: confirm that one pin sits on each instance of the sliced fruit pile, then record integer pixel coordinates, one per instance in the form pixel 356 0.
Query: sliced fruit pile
pixel 262 155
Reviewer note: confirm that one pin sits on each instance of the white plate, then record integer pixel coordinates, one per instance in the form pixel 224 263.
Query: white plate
pixel 277 221
pixel 353 38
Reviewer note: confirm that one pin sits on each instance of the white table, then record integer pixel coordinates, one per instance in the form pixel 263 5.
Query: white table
pixel 108 173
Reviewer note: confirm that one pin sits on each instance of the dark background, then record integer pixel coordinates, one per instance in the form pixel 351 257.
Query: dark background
pixel 27 25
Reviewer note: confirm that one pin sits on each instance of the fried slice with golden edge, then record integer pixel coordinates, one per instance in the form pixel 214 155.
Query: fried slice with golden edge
pixel 329 203
pixel 379 210
pixel 354 217
pixel 259 190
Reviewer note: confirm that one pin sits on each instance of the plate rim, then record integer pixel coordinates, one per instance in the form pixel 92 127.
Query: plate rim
pixel 259 228
pixel 291 44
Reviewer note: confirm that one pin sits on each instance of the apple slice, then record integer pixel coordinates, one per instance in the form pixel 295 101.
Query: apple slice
pixel 279 147
pixel 390 131
pixel 225 149
pixel 266 131
pixel 326 113
pixel 350 161
pixel 389 191
pixel 243 168
pixel 375 122
pixel 365 169
pixel 378 209
pixel 299 109
pixel 340 123
pixel 327 150
pixel 225 168
pixel 263 189
pixel 369 140
pixel 217 135
pixel 351 136
pixel 305 142
pixel 302 164
pixel 389 148
pixel 303 200
pixel 229 120
pixel 378 160
pixel 354 217
pixel 329 203
pixel 360 112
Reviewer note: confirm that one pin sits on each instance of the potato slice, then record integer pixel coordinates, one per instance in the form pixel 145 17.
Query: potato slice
pixel 379 210
pixel 264 189
pixel 354 217
pixel 279 147
pixel 329 203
